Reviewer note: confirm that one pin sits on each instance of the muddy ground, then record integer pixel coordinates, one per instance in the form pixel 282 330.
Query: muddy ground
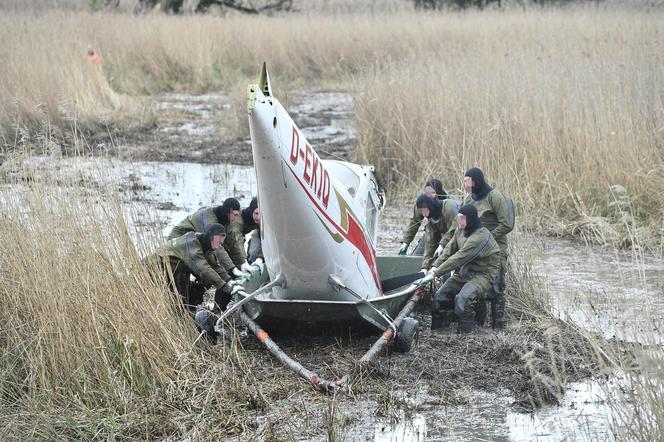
pixel 440 380
pixel 209 129
pixel 447 387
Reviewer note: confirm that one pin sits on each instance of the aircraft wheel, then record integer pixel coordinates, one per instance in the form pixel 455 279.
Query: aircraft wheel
pixel 406 335
pixel 205 321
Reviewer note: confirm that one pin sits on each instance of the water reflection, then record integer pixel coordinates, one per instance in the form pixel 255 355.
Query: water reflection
pixel 404 430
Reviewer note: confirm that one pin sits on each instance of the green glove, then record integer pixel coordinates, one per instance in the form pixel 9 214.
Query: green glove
pixel 403 249
pixel 238 289
pixel 258 267
pixel 438 251
pixel 426 280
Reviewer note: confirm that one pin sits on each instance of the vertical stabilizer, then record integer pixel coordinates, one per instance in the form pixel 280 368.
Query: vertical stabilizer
pixel 264 81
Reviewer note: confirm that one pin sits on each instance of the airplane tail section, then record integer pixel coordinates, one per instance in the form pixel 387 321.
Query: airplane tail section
pixel 318 217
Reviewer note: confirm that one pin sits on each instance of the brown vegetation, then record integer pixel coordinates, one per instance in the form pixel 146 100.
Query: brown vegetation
pixel 556 106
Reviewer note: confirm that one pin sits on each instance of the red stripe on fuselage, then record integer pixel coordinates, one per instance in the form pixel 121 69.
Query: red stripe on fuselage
pixel 355 234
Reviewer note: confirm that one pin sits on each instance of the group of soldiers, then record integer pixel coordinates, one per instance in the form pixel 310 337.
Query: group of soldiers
pixel 465 248
pixel 210 245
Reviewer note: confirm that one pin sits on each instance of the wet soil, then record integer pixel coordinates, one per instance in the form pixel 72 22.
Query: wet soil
pixel 440 380
pixel 203 128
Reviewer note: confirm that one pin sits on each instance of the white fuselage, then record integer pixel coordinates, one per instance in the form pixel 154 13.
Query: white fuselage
pixel 318 218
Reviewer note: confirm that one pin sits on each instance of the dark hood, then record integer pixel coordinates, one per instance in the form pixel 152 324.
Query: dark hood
pixel 222 211
pixel 205 238
pixel 472 220
pixel 247 215
pixel 437 185
pixel 480 187
pixel 435 206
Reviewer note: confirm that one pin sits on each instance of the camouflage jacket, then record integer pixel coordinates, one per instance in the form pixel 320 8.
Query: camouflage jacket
pixel 496 213
pixel 188 250
pixel 475 256
pixel 198 222
pixel 440 232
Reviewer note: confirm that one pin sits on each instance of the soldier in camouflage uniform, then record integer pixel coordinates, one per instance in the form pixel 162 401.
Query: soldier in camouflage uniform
pixel 475 257
pixel 440 227
pixel 230 256
pixel 192 254
pixel 434 188
pixel 496 213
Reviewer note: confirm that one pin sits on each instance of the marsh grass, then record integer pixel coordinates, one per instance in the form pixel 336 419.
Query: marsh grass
pixel 633 363
pixel 557 106
pixel 638 405
pixel 93 346
pixel 553 352
pixel 556 109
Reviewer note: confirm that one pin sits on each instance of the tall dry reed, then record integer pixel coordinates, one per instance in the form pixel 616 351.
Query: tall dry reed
pixel 47 85
pixel 92 346
pixel 555 107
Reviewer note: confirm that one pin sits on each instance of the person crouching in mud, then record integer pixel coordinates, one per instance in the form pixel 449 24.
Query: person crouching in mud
pixel 475 257
pixel 254 247
pixel 192 254
pixel 232 255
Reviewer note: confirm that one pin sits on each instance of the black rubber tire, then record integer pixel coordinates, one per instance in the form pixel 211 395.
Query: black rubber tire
pixel 205 321
pixel 406 335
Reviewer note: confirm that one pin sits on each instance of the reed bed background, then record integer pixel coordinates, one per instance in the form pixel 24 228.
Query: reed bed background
pixel 563 109
pixel 562 112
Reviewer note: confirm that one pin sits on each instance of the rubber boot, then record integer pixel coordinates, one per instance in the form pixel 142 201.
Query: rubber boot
pixel 436 321
pixel 465 326
pixel 205 321
pixel 497 318
pixel 481 313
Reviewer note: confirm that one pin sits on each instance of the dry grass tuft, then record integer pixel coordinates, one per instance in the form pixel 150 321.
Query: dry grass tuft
pixel 92 345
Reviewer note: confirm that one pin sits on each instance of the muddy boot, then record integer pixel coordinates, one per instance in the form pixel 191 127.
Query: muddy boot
pixel 436 321
pixel 465 326
pixel 481 313
pixel 205 321
pixel 497 317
